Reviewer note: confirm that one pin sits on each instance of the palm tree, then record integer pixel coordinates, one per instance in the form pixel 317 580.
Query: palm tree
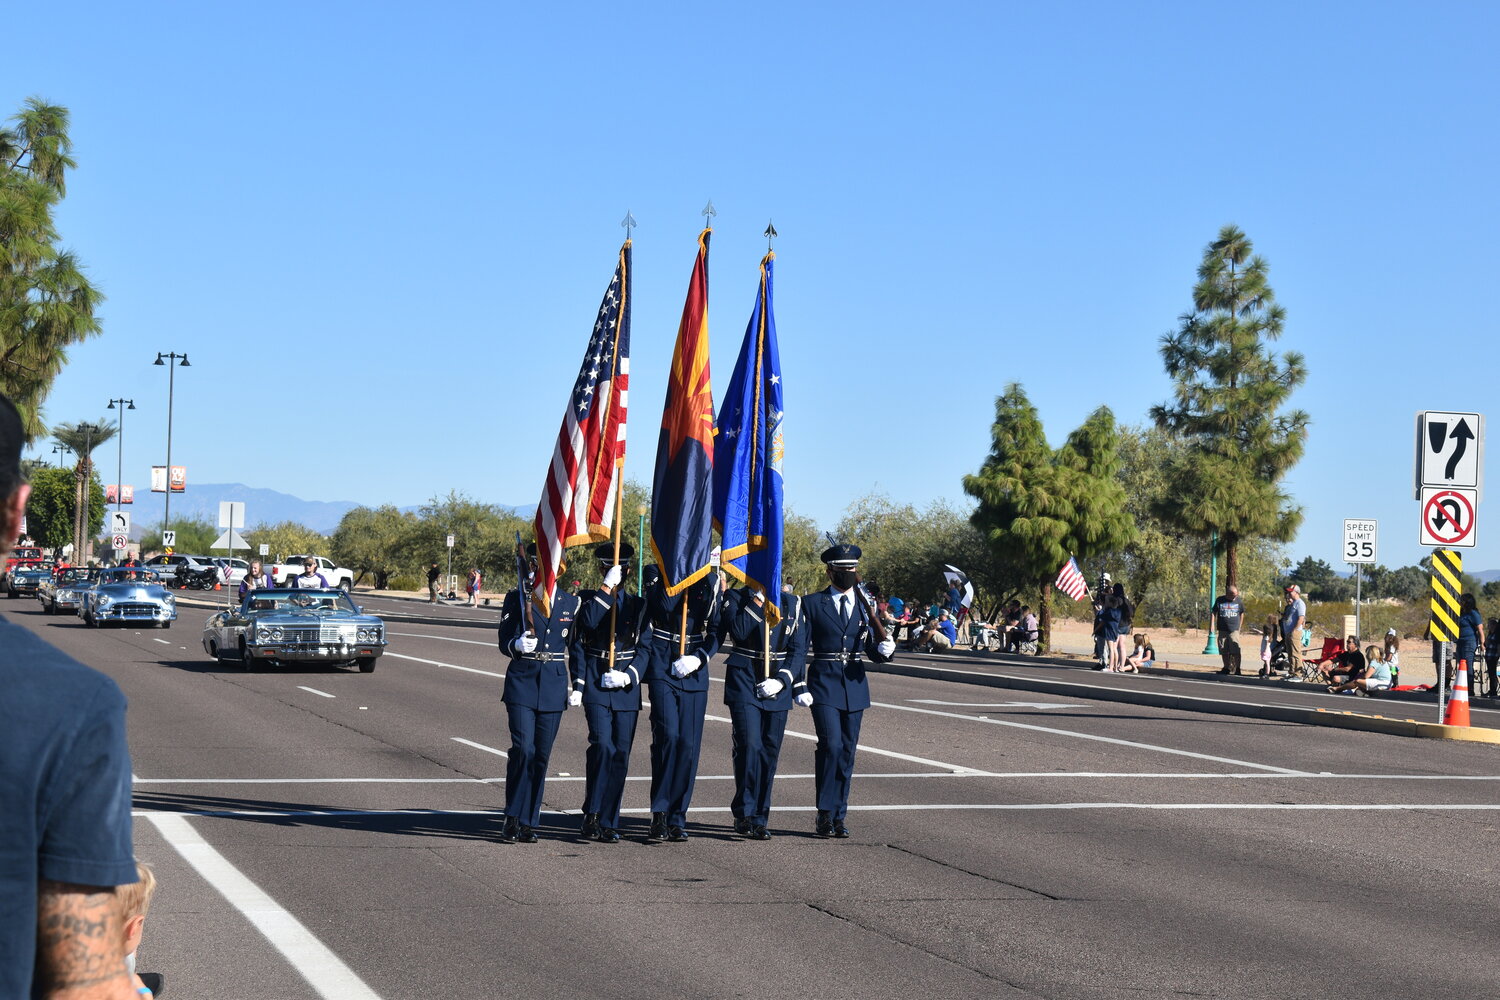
pixel 82 438
pixel 46 300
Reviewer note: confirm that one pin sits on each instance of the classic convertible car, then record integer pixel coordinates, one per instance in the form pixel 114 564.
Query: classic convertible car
pixel 281 625
pixel 128 594
pixel 25 578
pixel 64 589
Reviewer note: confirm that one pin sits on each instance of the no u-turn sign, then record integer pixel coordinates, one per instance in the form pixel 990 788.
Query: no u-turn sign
pixel 1448 517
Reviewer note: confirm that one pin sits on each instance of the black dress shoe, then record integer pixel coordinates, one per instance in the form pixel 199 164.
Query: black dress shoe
pixel 759 833
pixel 590 826
pixel 526 836
pixel 676 835
pixel 824 827
pixel 509 830
pixel 742 827
pixel 840 830
pixel 609 835
pixel 658 830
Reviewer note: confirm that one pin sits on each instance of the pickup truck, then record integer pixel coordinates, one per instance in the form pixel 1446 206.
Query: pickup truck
pixel 337 576
pixel 22 555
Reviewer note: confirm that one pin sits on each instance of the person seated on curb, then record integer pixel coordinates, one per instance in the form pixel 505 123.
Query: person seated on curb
pixel 1142 656
pixel 1349 664
pixel 1022 630
pixel 1376 675
pixel 941 635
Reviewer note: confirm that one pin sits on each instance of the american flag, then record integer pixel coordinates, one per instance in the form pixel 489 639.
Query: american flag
pixel 578 501
pixel 1071 582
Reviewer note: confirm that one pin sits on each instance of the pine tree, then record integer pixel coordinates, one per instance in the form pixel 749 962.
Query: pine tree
pixel 1037 508
pixel 1227 401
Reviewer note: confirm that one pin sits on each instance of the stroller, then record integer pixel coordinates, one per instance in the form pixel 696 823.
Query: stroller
pixel 1307 669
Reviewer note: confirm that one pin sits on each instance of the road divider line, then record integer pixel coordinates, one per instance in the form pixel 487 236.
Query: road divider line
pixel 440 663
pixel 164 642
pixel 443 638
pixel 1170 775
pixel 952 768
pixel 315 691
pixel 1091 736
pixel 324 971
pixel 479 746
pixel 918 807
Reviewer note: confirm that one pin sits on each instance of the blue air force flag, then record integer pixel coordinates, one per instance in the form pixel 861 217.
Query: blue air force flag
pixel 747 457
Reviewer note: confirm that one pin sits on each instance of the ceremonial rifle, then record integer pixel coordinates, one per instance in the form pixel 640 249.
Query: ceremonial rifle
pixel 521 595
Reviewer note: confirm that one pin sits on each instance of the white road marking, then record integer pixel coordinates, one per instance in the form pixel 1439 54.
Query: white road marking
pixel 325 694
pixel 1182 775
pixel 164 642
pixel 444 638
pixel 479 746
pixel 954 768
pixel 998 704
pixel 440 663
pixel 920 807
pixel 322 969
pixel 1091 736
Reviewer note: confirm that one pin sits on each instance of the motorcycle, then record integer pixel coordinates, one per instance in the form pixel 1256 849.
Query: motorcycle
pixel 187 578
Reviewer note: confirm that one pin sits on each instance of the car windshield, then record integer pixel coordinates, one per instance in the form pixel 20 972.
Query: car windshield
pixel 37 568
pixel 128 574
pixel 75 574
pixel 295 600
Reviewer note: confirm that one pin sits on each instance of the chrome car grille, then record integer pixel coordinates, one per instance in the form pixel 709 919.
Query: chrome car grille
pixel 324 633
pixel 129 610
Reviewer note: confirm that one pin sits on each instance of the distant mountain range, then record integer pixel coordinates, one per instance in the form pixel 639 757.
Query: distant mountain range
pixel 262 506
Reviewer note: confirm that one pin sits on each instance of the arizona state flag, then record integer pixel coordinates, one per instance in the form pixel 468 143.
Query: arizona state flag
pixel 747 457
pixel 682 490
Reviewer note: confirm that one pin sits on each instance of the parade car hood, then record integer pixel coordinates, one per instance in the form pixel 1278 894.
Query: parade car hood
pixel 132 592
pixel 293 616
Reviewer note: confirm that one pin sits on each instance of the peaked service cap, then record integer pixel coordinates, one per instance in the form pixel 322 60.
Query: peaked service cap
pixel 842 555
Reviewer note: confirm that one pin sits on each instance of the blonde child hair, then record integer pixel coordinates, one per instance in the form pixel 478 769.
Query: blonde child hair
pixel 135 899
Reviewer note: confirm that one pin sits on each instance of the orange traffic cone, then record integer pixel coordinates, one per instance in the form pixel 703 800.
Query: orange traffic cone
pixel 1458 709
pixel 216 585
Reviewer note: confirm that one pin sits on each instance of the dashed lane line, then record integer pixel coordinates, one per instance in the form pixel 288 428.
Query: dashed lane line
pixel 443 638
pixel 440 663
pixel 1090 736
pixel 480 746
pixel 943 765
pixel 315 691
pixel 324 971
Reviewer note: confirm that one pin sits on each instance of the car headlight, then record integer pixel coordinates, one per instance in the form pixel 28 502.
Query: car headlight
pixel 275 633
pixel 369 635
pixel 104 600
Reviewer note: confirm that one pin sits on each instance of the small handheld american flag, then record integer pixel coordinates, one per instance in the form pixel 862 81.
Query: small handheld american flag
pixel 1071 582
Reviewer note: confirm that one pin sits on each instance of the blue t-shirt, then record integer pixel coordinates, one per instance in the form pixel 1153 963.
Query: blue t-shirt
pixel 946 626
pixel 1294 613
pixel 1470 627
pixel 64 788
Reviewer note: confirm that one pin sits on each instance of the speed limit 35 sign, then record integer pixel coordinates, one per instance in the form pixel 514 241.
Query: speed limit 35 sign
pixel 1359 540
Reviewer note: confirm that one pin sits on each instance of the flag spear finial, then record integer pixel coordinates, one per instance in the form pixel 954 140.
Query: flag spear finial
pixel 629 223
pixel 708 214
pixel 770 234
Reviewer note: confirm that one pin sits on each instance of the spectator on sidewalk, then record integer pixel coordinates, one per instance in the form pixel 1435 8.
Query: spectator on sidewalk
pixel 1143 655
pixel 1127 622
pixel 1267 646
pixel 1229 614
pixel 1349 664
pixel 433 573
pixel 1491 655
pixel 1375 677
pixel 1470 631
pixel 135 902
pixel 1292 618
pixel 1392 654
pixel 1023 631
pixel 472 585
pixel 940 636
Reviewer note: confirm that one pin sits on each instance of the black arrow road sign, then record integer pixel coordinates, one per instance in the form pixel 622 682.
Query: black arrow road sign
pixel 1463 435
pixel 1447 511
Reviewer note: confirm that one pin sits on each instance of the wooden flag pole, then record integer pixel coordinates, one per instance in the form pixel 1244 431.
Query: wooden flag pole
pixel 614 599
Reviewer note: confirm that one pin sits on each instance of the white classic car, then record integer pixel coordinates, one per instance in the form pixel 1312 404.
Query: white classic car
pixel 276 625
pixel 128 594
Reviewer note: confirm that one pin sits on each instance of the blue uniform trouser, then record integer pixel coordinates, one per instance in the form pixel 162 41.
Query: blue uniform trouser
pixel 833 760
pixel 756 748
pixel 611 735
pixel 531 736
pixel 676 735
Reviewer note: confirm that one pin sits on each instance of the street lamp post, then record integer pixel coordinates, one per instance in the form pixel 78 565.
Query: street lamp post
pixel 125 404
pixel 60 450
pixel 1212 648
pixel 172 364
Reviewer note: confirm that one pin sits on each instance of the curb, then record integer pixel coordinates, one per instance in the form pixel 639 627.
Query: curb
pixel 1213 706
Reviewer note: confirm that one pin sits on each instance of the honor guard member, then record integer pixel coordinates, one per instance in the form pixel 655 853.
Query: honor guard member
pixel 674 662
pixel 839 637
pixel 537 690
pixel 759 691
pixel 611 692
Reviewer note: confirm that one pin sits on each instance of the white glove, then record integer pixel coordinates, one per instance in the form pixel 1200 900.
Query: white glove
pixel 804 699
pixel 885 647
pixel 684 665
pixel 525 643
pixel 613 577
pixel 575 698
pixel 613 680
pixel 768 688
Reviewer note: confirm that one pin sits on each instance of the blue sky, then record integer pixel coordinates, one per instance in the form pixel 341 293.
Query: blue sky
pixel 381 231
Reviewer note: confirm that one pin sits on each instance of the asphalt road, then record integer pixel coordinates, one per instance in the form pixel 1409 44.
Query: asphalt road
pixel 320 832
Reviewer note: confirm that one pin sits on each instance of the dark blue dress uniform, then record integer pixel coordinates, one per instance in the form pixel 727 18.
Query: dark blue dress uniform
pixel 839 640
pixel 678 704
pixel 759 724
pixel 536 693
pixel 611 713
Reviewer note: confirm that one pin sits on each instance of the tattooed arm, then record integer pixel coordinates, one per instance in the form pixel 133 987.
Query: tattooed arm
pixel 79 938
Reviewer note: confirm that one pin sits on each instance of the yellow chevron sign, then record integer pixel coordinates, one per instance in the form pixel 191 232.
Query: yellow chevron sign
pixel 1446 587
